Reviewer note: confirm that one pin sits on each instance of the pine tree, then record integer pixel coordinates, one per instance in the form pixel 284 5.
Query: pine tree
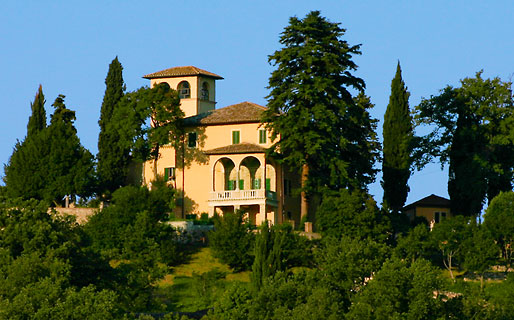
pixel 397 133
pixel 37 121
pixel 309 106
pixel 112 158
pixel 268 254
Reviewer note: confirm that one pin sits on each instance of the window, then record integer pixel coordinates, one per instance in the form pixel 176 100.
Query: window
pixel 184 90
pixel 191 139
pixel 268 184
pixel 169 173
pixel 204 93
pixel 236 137
pixel 241 184
pixel 439 216
pixel 256 184
pixel 262 136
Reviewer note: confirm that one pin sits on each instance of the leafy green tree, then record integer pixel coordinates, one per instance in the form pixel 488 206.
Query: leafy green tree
pixel 400 291
pixel 472 132
pixel 311 112
pixel 147 119
pixel 353 214
pixel 397 133
pixel 345 265
pixel 479 252
pixel 499 221
pixel 112 158
pixel 232 240
pixel 415 245
pixel 449 237
pixel 37 121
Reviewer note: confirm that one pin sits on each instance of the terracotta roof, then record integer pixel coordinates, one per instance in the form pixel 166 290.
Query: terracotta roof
pixel 237 148
pixel 244 112
pixel 181 72
pixel 432 201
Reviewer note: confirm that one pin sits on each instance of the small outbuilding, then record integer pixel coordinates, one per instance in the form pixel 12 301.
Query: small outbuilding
pixel 433 208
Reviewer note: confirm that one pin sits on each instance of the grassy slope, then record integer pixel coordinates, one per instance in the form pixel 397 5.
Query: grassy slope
pixel 186 290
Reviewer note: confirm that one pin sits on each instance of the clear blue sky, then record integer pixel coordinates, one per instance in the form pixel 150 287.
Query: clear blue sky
pixel 67 46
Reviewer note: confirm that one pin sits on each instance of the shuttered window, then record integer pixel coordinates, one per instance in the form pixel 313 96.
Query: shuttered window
pixel 236 137
pixel 262 136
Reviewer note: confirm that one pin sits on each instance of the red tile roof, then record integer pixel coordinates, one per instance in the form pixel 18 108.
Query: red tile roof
pixel 244 112
pixel 237 148
pixel 181 72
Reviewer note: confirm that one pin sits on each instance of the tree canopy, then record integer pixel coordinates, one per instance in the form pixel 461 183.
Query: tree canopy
pixel 473 133
pixel 311 112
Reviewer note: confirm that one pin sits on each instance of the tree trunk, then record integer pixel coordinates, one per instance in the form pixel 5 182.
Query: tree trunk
pixel 304 209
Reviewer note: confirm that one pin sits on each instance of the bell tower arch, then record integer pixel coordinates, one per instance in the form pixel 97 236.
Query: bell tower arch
pixel 196 87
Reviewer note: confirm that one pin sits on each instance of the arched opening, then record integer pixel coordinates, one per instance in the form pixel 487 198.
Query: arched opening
pixel 204 92
pixel 163 84
pixel 225 175
pixel 249 177
pixel 184 90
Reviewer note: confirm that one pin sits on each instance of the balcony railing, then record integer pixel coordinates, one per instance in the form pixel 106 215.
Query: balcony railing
pixel 232 195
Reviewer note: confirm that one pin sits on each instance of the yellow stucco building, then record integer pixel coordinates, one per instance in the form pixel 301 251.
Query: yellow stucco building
pixel 222 164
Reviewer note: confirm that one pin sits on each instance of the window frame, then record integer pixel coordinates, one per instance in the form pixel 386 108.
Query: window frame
pixel 184 93
pixel 189 135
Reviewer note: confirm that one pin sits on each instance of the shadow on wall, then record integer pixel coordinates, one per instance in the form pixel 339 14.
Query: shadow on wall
pixel 187 155
pixel 184 205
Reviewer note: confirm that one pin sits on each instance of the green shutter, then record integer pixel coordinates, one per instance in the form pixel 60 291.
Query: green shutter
pixel 241 184
pixel 235 137
pixel 268 184
pixel 257 183
pixel 262 136
pixel 166 174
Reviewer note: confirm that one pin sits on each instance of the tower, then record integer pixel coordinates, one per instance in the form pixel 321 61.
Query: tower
pixel 196 87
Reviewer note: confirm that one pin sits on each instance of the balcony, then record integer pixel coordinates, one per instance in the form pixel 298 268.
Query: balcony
pixel 238 195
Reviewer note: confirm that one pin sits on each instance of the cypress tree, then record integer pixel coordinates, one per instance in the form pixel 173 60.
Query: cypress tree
pixel 397 134
pixel 37 121
pixel 112 158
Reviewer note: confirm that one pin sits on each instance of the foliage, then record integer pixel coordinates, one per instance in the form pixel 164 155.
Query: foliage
pixel 480 251
pixel 472 132
pixel 397 134
pixel 52 163
pixel 400 291
pixel 345 265
pixel 415 245
pixel 449 237
pixel 499 220
pixel 232 240
pixel 352 213
pixel 268 254
pixel 46 270
pixel 112 158
pixel 315 122
pixel 37 120
pixel 146 119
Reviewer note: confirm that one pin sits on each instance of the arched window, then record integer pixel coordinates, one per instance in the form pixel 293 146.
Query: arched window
pixel 163 84
pixel 184 90
pixel 204 93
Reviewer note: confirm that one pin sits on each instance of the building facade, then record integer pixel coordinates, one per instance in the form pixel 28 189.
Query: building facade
pixel 222 165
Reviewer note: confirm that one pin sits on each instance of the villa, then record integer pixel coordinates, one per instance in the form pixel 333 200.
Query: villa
pixel 222 165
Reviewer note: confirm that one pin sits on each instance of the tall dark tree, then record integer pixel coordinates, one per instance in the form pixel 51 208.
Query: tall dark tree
pixel 397 135
pixel 112 158
pixel 69 166
pixel 472 131
pixel 24 171
pixel 309 104
pixel 37 121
